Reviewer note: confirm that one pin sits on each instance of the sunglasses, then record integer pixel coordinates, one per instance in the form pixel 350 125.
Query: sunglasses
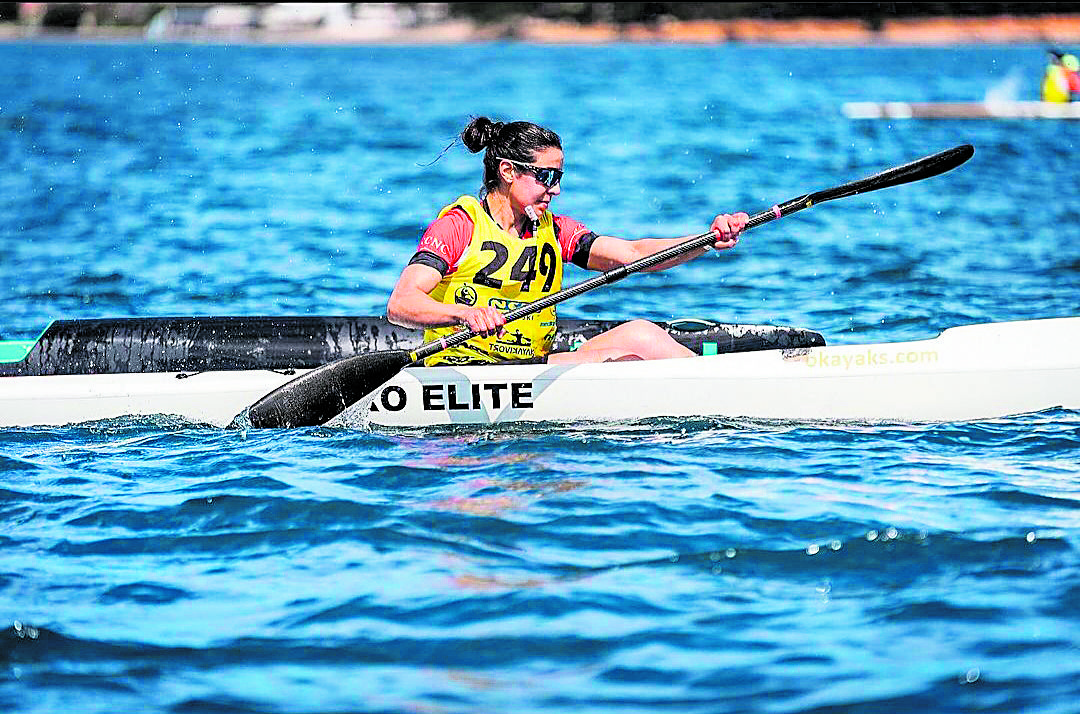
pixel 546 175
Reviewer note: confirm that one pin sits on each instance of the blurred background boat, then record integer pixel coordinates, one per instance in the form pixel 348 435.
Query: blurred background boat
pixel 962 110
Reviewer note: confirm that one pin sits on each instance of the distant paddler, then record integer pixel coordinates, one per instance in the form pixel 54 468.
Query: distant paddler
pixel 1061 79
pixel 485 256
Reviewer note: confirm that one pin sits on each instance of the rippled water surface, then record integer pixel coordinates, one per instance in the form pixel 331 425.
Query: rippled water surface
pixel 682 566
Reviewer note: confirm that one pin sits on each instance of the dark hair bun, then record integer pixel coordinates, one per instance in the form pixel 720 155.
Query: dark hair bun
pixel 480 134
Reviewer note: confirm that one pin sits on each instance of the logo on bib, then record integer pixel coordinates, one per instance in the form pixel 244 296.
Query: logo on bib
pixel 503 305
pixel 465 295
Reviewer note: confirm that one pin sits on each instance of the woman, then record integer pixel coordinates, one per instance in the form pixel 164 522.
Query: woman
pixel 481 258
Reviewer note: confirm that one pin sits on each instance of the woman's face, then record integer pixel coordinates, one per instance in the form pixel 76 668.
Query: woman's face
pixel 524 187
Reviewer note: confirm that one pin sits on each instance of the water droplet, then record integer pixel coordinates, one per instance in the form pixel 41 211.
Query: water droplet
pixel 812 549
pixel 1030 537
pixel 730 552
pixel 871 535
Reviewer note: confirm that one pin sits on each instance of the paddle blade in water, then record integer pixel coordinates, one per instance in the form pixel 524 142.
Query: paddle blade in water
pixel 323 393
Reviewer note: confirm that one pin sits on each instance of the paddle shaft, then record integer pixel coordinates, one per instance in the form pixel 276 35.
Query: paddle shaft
pixel 919 169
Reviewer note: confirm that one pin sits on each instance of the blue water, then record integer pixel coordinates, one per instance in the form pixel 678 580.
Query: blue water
pixel 678 566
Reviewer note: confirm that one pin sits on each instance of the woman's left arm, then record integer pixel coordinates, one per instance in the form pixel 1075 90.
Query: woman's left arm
pixel 608 252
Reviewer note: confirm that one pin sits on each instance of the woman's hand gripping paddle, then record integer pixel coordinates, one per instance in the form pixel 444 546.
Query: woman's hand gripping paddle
pixel 325 392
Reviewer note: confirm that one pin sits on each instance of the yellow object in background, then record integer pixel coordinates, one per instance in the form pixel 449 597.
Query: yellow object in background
pixel 1055 85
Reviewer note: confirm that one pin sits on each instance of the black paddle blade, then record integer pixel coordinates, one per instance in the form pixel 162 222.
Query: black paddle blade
pixel 323 393
pixel 917 170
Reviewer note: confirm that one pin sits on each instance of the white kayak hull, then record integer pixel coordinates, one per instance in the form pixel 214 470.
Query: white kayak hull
pixel 975 372
pixel 208 397
pixel 966 373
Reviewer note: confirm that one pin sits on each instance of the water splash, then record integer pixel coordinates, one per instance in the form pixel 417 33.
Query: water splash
pixel 1008 89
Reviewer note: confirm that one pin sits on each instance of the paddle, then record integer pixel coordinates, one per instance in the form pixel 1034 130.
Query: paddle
pixel 325 392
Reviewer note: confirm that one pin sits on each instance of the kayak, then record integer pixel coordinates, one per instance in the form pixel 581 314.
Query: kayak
pixel 962 110
pixel 282 372
pixel 209 370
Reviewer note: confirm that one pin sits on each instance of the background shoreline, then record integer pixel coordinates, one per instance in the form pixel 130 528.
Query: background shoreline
pixel 1063 29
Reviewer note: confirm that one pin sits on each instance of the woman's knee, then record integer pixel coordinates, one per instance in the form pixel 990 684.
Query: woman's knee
pixel 650 340
pixel 633 340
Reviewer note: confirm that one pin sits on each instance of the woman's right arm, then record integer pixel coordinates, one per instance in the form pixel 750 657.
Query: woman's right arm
pixel 411 305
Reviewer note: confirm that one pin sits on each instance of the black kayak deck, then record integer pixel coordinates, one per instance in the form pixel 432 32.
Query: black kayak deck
pixel 203 344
